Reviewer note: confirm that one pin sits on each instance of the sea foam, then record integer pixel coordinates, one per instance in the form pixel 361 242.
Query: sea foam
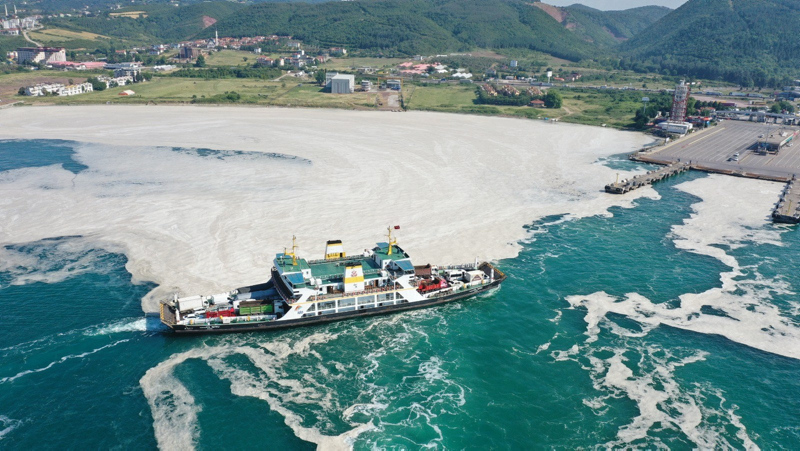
pixel 748 315
pixel 195 221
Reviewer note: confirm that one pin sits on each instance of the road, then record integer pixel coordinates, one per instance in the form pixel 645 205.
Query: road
pixel 27 38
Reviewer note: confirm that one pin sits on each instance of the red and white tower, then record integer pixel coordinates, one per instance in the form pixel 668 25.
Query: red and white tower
pixel 680 102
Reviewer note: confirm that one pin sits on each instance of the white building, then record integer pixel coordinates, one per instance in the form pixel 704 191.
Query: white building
pixel 73 90
pixel 41 54
pixel 43 89
pixel 680 128
pixel 58 89
pixel 115 81
pixel 343 84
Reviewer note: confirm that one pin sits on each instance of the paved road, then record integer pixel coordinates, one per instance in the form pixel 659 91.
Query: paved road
pixel 714 147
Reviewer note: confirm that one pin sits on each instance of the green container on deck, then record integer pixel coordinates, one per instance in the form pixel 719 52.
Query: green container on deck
pixel 255 309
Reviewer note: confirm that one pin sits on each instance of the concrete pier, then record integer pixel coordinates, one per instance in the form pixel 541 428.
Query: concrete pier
pixel 787 210
pixel 625 185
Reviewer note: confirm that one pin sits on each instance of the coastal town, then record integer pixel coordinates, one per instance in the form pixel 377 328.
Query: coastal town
pixel 289 71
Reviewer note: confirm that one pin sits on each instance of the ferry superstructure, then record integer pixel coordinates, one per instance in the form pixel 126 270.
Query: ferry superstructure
pixel 302 292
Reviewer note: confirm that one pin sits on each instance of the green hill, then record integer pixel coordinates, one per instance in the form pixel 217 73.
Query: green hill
pixel 158 23
pixel 610 28
pixel 412 26
pixel 744 41
pixel 66 6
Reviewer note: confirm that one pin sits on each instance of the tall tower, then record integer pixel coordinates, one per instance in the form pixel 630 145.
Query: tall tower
pixel 216 38
pixel 6 10
pixel 680 102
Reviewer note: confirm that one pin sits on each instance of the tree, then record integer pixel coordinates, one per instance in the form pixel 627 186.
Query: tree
pixel 553 99
pixel 201 61
pixel 97 85
pixel 320 77
pixel 21 91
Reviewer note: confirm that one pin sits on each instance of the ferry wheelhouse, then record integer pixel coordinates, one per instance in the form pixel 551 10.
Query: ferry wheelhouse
pixel 302 292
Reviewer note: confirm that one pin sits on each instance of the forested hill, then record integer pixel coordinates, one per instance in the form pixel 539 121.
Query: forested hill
pixel 68 6
pixel 609 28
pixel 746 41
pixel 157 24
pixel 413 26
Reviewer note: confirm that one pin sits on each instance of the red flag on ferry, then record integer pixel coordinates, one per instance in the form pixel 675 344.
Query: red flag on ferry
pixel 397 227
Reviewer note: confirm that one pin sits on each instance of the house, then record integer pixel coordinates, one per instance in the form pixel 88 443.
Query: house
pixel 264 61
pixel 573 77
pixel 294 44
pixel 537 103
pixel 366 85
pixel 115 81
pixel 127 92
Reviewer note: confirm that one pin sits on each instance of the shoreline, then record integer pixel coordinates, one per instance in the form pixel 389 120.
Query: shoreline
pixel 460 186
pixel 167 103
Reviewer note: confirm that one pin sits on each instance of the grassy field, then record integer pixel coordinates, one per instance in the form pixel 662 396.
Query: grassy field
pixel 231 58
pixel 10 83
pixel 595 107
pixel 59 35
pixel 460 99
pixel 253 92
pixel 355 63
pixel 614 108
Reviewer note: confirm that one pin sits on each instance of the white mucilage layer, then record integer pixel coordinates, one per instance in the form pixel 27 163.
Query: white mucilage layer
pixel 461 186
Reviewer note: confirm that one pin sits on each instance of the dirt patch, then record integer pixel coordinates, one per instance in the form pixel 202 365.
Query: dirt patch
pixel 556 13
pixel 618 38
pixel 208 21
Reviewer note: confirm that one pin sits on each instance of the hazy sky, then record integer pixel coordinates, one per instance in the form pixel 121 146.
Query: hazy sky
pixel 617 4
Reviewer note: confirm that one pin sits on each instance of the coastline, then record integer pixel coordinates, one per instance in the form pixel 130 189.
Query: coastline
pixel 460 186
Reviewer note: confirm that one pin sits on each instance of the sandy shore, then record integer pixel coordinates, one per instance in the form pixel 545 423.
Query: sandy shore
pixel 459 186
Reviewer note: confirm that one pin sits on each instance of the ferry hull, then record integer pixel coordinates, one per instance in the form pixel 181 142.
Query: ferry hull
pixel 300 322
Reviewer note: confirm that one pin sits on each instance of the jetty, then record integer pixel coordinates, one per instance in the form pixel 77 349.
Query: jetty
pixel 787 210
pixel 625 185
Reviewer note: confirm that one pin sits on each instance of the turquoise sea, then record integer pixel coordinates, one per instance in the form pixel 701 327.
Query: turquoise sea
pixel 541 363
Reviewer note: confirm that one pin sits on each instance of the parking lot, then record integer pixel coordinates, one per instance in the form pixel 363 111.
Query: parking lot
pixel 717 148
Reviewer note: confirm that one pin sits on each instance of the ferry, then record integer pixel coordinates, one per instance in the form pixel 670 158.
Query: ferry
pixel 303 292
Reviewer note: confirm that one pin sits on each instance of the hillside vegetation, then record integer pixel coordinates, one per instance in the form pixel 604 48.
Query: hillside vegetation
pixel 610 28
pixel 65 6
pixel 753 43
pixel 412 26
pixel 745 41
pixel 162 22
